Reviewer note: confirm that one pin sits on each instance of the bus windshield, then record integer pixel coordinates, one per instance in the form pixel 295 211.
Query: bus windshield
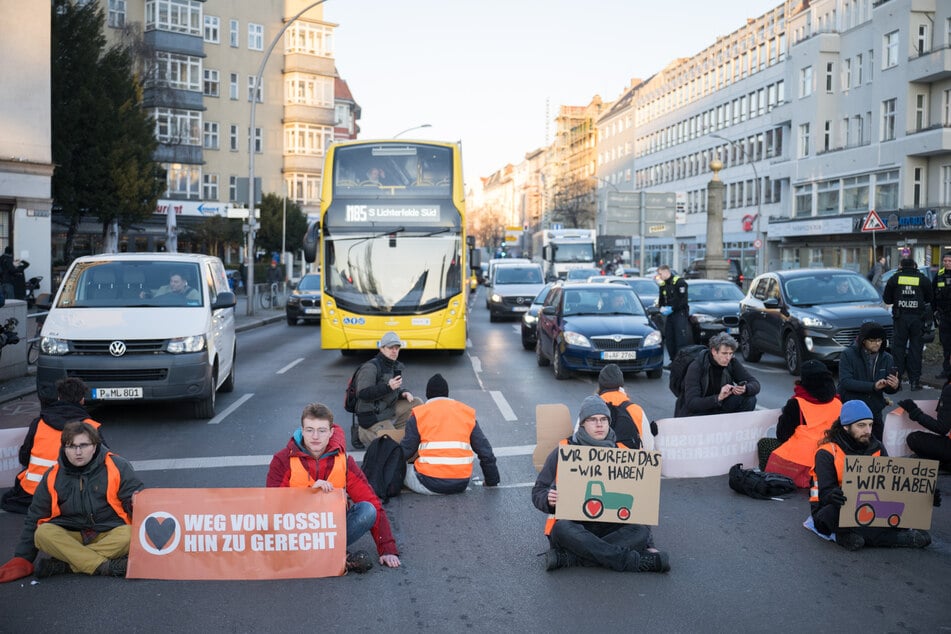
pixel 392 169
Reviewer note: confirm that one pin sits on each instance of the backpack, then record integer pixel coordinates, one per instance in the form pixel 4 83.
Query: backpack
pixel 678 367
pixel 623 425
pixel 350 394
pixel 385 467
pixel 759 485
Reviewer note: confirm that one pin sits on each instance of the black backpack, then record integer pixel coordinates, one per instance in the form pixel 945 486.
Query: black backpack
pixel 678 367
pixel 385 467
pixel 623 425
pixel 759 485
pixel 350 395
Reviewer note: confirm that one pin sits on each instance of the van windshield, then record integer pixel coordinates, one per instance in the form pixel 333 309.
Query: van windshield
pixel 131 283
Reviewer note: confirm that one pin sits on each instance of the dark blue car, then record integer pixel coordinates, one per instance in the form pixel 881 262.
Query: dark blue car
pixel 583 327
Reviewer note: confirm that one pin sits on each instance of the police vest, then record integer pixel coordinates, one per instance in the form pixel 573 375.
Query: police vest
pixel 300 476
pixel 445 427
pixel 550 521
pixel 816 418
pixel 839 457
pixel 43 455
pixel 114 479
pixel 909 296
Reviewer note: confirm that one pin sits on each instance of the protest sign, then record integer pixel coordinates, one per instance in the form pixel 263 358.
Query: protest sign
pixel 888 492
pixel 605 484
pixel 10 441
pixel 256 533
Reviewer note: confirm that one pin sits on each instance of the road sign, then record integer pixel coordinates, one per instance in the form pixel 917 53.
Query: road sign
pixel 757 244
pixel 873 222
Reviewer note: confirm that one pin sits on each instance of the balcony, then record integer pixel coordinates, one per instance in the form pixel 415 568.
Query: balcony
pixel 303 163
pixel 311 64
pixel 187 154
pixel 930 141
pixel 930 67
pixel 174 42
pixel 317 115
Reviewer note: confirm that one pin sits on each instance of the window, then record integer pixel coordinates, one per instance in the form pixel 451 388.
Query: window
pixel 855 193
pixel 178 16
pixel 846 74
pixel 827 136
pixel 211 135
pixel 233 34
pixel 827 199
pixel 890 50
pixel 859 69
pixel 804 140
pixel 209 186
pixel 183 180
pixel 255 37
pixel 304 188
pixel 308 38
pixel 212 29
pixel 308 90
pixel 946 182
pixel 888 119
pixel 921 112
pixel 886 191
pixel 803 195
pixel 258 141
pixel 916 187
pixel 211 83
pixel 923 44
pixel 232 188
pixel 805 81
pixel 116 14
pixel 830 70
pixel 305 138
pixel 177 127
pixel 251 89
pixel 174 70
pixel 233 138
pixel 946 108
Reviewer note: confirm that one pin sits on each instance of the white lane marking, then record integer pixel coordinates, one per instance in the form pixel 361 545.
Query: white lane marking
pixel 468 343
pixel 507 412
pixel 290 365
pixel 519 485
pixel 220 417
pixel 516 450
pixel 477 368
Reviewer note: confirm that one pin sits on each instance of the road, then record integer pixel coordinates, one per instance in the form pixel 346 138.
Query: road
pixel 470 561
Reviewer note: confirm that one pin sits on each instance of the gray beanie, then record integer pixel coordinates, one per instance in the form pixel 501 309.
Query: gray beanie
pixel 610 377
pixel 592 406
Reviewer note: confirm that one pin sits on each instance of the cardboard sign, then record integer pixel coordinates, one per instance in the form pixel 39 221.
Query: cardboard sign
pixel 257 533
pixel 703 446
pixel 552 424
pixel 888 492
pixel 10 441
pixel 604 484
pixel 898 426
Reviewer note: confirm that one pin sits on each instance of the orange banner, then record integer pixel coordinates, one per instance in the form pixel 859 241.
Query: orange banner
pixel 260 533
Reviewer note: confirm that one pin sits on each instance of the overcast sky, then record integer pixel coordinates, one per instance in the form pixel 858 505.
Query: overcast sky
pixel 482 72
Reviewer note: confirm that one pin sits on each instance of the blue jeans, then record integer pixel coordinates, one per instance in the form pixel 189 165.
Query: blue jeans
pixel 360 518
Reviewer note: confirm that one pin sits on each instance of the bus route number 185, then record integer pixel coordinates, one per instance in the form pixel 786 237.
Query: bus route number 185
pixel 356 213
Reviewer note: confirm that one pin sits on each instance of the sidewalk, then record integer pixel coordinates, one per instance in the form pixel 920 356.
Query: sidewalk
pixel 25 385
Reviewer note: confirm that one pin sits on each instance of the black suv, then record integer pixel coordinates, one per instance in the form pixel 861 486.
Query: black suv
pixel 735 273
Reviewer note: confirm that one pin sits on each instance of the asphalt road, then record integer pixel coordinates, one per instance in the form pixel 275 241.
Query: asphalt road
pixel 470 562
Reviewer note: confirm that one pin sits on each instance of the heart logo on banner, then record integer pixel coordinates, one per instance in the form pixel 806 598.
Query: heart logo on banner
pixel 160 531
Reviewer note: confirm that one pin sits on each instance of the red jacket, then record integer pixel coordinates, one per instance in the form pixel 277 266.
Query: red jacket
pixel 358 489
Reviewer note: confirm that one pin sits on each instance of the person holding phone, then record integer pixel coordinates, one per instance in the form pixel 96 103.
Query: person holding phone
pixel 717 383
pixel 382 401
pixel 867 372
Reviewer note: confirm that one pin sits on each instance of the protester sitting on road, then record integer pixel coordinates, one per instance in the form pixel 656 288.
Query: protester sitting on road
pixel 177 287
pixel 627 419
pixel 448 438
pixel 802 423
pixel 41 446
pixel 867 373
pixel 382 403
pixel 315 456
pixel 81 512
pixel 717 383
pixel 620 547
pixel 851 435
pixel 925 444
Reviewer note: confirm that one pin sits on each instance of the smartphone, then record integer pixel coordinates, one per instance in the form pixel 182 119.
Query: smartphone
pixel 894 370
pixel 397 373
pixel 740 384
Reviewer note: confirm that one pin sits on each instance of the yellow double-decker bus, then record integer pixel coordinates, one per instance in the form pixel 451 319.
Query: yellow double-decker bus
pixel 391 245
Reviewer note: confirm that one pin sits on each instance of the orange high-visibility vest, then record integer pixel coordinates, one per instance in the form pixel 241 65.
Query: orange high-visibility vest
pixel 637 413
pixel 445 427
pixel 43 455
pixel 300 476
pixel 112 491
pixel 839 457
pixel 550 521
pixel 801 447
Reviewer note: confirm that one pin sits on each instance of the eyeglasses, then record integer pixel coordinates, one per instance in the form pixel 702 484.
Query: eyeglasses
pixel 310 431
pixel 83 446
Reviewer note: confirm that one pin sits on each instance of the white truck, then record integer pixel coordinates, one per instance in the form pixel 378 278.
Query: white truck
pixel 560 250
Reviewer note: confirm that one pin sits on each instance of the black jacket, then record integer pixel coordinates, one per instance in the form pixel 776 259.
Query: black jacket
pixel 857 381
pixel 375 400
pixel 673 293
pixel 693 401
pixel 908 298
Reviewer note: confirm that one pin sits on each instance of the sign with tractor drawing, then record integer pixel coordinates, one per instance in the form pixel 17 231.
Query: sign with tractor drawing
pixel 888 492
pixel 603 484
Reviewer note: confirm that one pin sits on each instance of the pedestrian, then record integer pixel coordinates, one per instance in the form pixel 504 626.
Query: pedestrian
pixel 620 547
pixel 316 457
pixel 875 275
pixel 934 444
pixel 867 372
pixel 716 382
pixel 941 285
pixel 243 272
pixel 81 513
pixel 851 435
pixel 673 303
pixel 382 402
pixel 448 438
pixel 41 445
pixel 908 291
pixel 627 418
pixel 8 272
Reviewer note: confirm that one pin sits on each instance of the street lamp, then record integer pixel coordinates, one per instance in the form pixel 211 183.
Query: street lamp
pixel 760 260
pixel 415 127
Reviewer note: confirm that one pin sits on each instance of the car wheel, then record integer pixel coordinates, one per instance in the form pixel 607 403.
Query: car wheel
pixel 559 366
pixel 655 374
pixel 228 385
pixel 540 357
pixel 792 351
pixel 291 321
pixel 527 342
pixel 750 353
pixel 492 317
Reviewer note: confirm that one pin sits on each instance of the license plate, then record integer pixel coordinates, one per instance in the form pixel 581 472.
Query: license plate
pixel 311 311
pixel 116 393
pixel 618 355
pixel 520 309
pixel 733 331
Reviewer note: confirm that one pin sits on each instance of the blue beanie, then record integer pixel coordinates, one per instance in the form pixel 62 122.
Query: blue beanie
pixel 853 412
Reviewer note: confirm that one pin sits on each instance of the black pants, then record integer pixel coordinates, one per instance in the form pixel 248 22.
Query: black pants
pixel 944 336
pixel 614 546
pixel 826 519
pixel 930 446
pixel 676 332
pixel 907 345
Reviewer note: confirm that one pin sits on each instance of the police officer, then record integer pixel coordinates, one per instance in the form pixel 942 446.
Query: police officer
pixel 673 303
pixel 942 309
pixel 908 290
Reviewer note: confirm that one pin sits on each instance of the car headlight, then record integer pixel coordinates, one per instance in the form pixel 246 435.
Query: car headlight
pixel 293 300
pixel 180 345
pixel 701 318
pixel 653 339
pixel 576 339
pixel 54 346
pixel 496 298
pixel 529 319
pixel 814 322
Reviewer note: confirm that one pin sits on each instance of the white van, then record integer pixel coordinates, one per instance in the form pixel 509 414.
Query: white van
pixel 142 327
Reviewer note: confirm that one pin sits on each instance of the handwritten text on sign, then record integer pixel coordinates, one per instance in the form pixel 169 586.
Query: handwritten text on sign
pixel 888 492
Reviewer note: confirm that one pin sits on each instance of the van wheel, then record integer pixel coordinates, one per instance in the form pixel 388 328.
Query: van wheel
pixel 228 385
pixel 205 408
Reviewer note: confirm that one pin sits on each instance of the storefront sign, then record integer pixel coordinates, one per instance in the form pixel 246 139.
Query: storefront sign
pixel 811 227
pixel 191 208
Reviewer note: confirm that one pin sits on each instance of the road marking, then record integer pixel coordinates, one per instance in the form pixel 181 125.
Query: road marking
pixel 220 417
pixel 289 365
pixel 520 485
pixel 477 368
pixel 507 412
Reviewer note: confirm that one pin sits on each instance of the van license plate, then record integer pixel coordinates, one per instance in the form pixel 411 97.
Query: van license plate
pixel 619 355
pixel 116 393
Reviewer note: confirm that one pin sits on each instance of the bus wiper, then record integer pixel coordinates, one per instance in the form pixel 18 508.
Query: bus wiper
pixel 436 232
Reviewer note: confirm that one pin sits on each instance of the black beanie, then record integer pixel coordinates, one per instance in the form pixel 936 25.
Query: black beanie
pixel 436 386
pixel 610 377
pixel 908 263
pixel 871 330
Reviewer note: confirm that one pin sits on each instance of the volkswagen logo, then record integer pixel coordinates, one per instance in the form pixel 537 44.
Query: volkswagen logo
pixel 117 348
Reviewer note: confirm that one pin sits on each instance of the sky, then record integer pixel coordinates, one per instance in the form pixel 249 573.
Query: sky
pixel 493 73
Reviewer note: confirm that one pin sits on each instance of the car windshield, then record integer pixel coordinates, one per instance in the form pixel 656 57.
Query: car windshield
pixel 518 275
pixel 131 283
pixel 643 287
pixel 309 283
pixel 829 288
pixel 726 292
pixel 542 294
pixel 607 301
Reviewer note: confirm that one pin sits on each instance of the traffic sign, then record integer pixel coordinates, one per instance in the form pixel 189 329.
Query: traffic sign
pixel 757 244
pixel 873 222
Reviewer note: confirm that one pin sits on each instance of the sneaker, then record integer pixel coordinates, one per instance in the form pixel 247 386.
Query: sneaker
pixel 912 538
pixel 850 540
pixel 559 558
pixel 916 386
pixel 113 567
pixel 49 567
pixel 359 562
pixel 654 562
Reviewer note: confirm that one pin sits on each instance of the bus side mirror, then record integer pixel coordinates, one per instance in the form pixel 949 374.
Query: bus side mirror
pixel 310 242
pixel 475 258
